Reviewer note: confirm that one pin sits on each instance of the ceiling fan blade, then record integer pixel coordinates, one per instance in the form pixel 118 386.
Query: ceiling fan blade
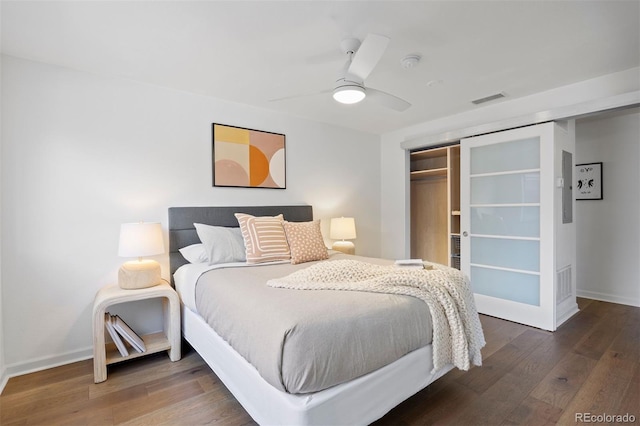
pixel 303 95
pixel 368 55
pixel 387 100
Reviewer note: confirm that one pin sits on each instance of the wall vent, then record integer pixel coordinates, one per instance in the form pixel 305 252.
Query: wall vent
pixel 563 284
pixel 489 98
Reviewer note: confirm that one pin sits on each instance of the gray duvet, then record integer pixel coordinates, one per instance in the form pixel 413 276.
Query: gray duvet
pixel 303 341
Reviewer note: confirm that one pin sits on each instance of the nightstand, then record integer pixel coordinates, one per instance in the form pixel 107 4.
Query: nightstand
pixel 168 340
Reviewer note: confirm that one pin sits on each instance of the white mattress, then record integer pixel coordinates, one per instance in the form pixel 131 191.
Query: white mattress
pixel 360 401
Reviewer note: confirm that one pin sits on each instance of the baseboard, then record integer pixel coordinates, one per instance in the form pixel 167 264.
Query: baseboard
pixel 44 363
pixel 566 313
pixel 608 297
pixel 4 378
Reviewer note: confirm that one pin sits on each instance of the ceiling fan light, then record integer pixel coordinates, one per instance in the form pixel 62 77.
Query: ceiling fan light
pixel 349 94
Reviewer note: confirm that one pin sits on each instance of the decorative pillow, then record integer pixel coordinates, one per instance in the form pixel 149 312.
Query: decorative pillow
pixel 264 238
pixel 222 244
pixel 305 241
pixel 195 253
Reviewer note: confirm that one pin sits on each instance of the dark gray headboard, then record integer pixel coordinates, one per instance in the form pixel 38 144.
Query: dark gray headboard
pixel 182 232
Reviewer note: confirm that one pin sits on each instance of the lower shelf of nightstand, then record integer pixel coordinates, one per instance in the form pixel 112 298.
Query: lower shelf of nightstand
pixel 155 342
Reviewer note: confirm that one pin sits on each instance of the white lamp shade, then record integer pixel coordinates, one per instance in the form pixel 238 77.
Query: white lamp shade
pixel 342 228
pixel 140 239
pixel 349 94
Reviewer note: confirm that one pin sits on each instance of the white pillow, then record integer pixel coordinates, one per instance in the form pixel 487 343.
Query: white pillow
pixel 222 244
pixel 195 253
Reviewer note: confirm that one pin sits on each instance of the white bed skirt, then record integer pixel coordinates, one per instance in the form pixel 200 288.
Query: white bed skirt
pixel 358 402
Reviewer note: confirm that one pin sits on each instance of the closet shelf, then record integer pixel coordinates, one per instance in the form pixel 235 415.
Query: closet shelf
pixel 421 174
pixel 429 153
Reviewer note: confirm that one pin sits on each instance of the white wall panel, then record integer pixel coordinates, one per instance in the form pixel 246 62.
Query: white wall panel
pixel 608 230
pixel 83 153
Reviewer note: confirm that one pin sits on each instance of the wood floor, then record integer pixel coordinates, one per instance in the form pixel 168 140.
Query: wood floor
pixel 589 365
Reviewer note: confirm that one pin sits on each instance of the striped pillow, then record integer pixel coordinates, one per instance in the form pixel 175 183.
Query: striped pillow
pixel 264 238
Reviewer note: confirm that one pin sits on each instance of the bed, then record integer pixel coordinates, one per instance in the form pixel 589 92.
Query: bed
pixel 288 400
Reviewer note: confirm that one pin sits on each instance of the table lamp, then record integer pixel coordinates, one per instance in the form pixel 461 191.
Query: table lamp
pixel 343 228
pixel 138 240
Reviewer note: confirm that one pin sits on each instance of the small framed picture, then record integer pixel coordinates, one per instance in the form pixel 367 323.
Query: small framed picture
pixel 588 183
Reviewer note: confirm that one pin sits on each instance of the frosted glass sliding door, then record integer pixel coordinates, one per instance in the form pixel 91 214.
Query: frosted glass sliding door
pixel 506 223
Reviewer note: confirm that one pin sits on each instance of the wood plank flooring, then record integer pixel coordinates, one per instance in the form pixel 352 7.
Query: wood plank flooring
pixel 589 365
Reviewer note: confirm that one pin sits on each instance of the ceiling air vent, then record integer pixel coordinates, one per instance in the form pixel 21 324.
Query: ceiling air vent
pixel 488 98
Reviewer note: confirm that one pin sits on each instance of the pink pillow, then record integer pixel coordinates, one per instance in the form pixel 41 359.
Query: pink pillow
pixel 305 241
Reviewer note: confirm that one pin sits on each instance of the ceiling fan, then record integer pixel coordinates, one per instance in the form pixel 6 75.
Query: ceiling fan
pixel 349 87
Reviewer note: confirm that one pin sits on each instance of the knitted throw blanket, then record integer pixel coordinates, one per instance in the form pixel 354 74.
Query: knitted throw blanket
pixel 457 332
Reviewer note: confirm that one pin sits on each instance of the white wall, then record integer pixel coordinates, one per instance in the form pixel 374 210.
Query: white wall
pixel 84 153
pixel 608 230
pixel 3 377
pixel 394 190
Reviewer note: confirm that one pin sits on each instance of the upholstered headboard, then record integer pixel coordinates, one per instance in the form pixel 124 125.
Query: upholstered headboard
pixel 182 232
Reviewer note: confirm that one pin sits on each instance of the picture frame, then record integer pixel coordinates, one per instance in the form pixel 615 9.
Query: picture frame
pixel 588 183
pixel 248 158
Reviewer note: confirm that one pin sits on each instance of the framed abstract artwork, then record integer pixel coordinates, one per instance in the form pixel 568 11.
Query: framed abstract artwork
pixel 248 158
pixel 589 181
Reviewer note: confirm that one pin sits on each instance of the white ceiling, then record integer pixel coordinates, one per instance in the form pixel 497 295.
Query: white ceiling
pixel 254 51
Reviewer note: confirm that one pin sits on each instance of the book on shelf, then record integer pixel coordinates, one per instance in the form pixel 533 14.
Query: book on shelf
pixel 114 335
pixel 128 334
pixel 412 264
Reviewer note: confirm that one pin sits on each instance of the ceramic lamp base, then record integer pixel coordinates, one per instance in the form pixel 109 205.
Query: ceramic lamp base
pixel 139 274
pixel 346 247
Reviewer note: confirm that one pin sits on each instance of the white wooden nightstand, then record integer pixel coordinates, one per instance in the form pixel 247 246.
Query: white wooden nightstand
pixel 169 339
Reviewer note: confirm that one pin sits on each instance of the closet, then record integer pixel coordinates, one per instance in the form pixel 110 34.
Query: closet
pixel 435 204
pixel 499 207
